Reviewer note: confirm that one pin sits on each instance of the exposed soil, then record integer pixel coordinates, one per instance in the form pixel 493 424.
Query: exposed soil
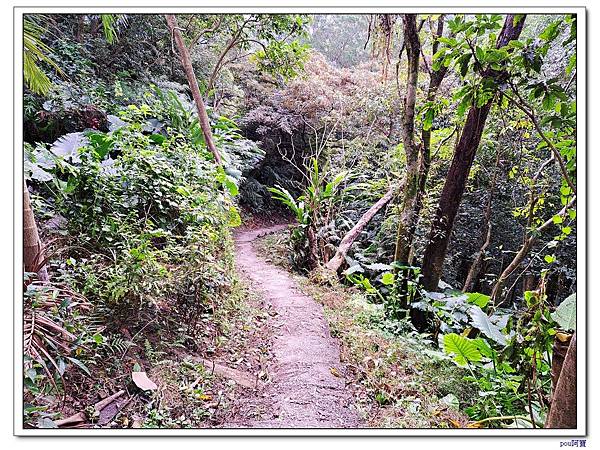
pixel 306 386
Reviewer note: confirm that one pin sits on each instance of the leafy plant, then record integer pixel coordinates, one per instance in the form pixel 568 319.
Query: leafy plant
pixel 465 351
pixel 566 313
pixel 35 53
pixel 314 211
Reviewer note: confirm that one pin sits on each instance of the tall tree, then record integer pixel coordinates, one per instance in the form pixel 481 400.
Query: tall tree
pixel 437 73
pixel 408 218
pixel 186 62
pixel 464 154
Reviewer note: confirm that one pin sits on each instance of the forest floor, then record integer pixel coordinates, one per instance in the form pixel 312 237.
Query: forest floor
pixel 306 383
pixel 287 351
pixel 330 363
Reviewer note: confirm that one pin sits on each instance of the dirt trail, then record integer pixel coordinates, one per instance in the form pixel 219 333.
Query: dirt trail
pixel 303 391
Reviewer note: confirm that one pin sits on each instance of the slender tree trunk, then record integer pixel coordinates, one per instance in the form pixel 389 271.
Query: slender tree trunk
pixel 464 154
pixel 313 247
pixel 33 255
pixel 528 243
pixel 486 233
pixel 435 80
pixel 408 218
pixel 563 410
pixel 338 259
pixel 79 28
pixel 186 62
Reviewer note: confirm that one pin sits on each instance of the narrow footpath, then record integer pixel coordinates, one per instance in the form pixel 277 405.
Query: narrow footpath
pixel 306 387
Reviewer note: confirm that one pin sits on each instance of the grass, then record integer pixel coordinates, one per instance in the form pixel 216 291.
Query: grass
pixel 399 379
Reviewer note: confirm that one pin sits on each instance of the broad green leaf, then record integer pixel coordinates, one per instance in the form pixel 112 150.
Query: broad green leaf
pixel 388 278
pixel 79 364
pixel 481 321
pixel 475 298
pixel 157 138
pixel 484 347
pixel 231 186
pixel 463 349
pixel 566 313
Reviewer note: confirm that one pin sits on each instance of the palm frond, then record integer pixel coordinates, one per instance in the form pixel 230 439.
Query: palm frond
pixel 34 53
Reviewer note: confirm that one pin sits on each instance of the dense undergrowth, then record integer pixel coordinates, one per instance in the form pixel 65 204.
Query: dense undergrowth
pixel 399 379
pixel 469 370
pixel 139 222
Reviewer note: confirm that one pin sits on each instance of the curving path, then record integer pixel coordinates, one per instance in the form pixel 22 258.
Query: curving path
pixel 303 392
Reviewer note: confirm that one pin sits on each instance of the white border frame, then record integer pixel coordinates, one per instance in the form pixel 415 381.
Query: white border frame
pixel 582 362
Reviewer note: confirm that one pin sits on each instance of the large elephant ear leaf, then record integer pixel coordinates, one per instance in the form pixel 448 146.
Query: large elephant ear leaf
pixel 68 145
pixel 482 322
pixel 566 313
pixel 463 349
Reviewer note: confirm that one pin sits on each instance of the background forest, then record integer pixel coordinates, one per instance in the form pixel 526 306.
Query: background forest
pixel 425 164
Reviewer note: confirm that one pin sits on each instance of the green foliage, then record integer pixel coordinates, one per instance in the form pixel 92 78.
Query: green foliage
pixel 566 313
pixel 297 207
pixel 35 52
pixel 511 348
pixel 482 322
pixel 282 58
pixel 111 24
pixel 313 210
pixel 464 349
pixel 142 202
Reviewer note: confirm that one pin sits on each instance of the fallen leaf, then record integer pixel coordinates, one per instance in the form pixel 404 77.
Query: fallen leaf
pixel 142 381
pixel 455 423
pixel 335 372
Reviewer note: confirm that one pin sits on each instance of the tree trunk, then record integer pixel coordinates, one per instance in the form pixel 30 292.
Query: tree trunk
pixel 464 154
pixel 559 352
pixel 79 28
pixel 486 233
pixel 477 264
pixel 186 62
pixel 497 290
pixel 408 218
pixel 435 81
pixel 33 255
pixel 563 410
pixel 336 262
pixel 313 248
